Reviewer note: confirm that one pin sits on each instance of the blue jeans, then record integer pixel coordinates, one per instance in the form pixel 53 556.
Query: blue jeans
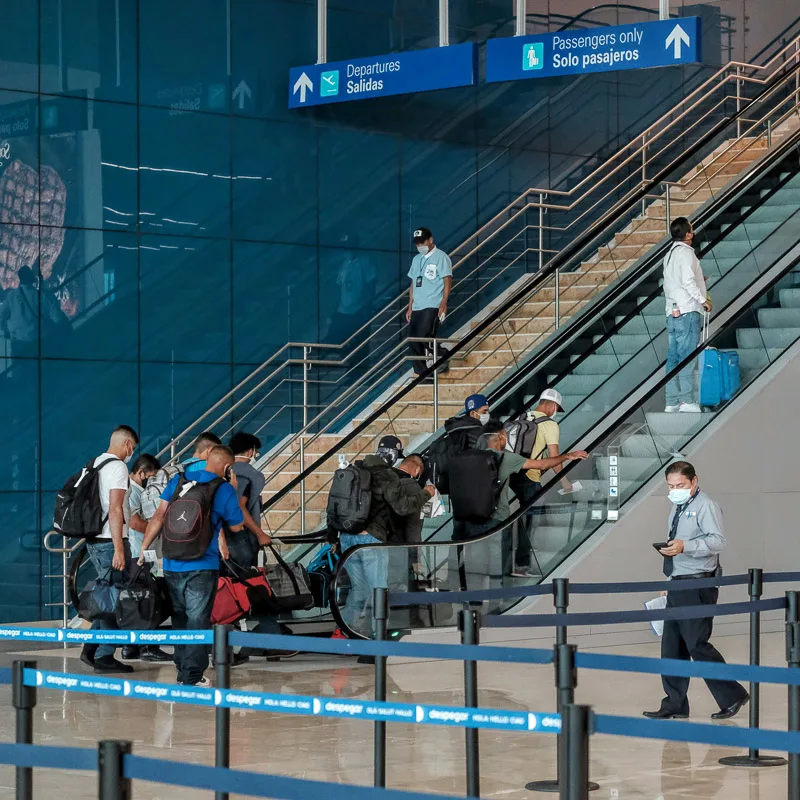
pixel 367 569
pixel 101 554
pixel 192 596
pixel 684 336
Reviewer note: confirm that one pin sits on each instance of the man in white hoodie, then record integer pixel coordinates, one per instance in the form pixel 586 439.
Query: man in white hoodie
pixel 685 292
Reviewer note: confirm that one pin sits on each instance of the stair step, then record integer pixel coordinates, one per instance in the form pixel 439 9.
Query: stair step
pixel 779 317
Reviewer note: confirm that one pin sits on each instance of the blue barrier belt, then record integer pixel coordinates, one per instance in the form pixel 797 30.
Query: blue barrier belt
pixel 781 577
pixel 353 647
pixel 449 716
pixel 659 586
pixel 258 784
pixel 689 669
pixel 169 637
pixel 678 731
pixel 36 755
pixel 5 675
pixel 619 617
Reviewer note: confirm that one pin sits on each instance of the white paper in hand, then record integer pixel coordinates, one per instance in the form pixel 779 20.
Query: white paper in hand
pixel 150 556
pixel 656 604
pixel 576 487
pixel 434 507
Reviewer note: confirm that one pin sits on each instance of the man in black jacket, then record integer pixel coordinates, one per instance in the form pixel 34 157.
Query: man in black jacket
pixel 367 568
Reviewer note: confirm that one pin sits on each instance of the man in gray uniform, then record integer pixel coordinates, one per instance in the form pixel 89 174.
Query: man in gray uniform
pixel 695 541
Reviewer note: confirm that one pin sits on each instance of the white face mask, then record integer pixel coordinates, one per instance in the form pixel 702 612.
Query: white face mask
pixel 484 418
pixel 422 249
pixel 680 496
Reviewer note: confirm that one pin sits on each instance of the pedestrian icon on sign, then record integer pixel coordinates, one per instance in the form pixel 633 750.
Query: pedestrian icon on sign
pixel 533 56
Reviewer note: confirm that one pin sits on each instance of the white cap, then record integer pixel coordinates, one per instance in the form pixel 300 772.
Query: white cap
pixel 552 394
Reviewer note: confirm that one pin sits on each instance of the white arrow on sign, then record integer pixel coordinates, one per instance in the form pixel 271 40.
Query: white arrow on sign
pixel 242 91
pixel 303 84
pixel 675 38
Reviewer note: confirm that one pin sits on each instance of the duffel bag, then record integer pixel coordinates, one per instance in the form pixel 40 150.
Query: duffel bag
pixel 98 601
pixel 289 585
pixel 246 591
pixel 140 606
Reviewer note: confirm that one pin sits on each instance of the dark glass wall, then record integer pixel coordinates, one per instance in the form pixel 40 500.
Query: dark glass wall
pixel 166 223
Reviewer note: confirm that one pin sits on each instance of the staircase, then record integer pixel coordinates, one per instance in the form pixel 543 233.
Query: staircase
pixel 501 349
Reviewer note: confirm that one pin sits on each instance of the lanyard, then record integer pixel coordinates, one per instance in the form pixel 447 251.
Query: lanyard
pixel 678 513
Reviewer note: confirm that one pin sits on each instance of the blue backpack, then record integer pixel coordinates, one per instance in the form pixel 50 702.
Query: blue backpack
pixel 320 575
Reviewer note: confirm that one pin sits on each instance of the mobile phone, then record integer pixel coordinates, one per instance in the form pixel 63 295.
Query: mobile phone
pixel 660 545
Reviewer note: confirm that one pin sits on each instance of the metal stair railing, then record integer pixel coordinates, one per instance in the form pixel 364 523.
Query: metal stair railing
pixel 750 138
pixel 645 152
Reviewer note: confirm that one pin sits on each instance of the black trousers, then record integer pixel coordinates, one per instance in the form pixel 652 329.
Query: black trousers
pixel 424 323
pixel 687 639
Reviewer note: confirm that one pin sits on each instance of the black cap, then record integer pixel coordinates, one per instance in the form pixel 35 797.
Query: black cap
pixel 391 443
pixel 422 235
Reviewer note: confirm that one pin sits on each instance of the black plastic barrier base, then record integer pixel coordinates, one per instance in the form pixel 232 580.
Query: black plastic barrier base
pixel 753 761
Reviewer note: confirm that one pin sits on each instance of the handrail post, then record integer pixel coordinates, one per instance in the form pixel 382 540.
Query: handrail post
pixel 667 205
pixel 738 102
pixel 322 31
pixel 444 23
pixel 469 624
pixel 435 386
pixel 521 27
pixel 557 290
pixel 24 701
pixel 753 758
pixel 380 607
pixel 113 784
pixel 644 158
pixel 769 134
pixel 222 715
pixel 541 230
pixel 793 661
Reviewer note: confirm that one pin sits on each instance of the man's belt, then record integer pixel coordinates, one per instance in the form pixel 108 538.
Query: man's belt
pixel 694 576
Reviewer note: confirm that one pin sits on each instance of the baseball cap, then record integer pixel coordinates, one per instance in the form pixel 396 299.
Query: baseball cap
pixel 422 235
pixel 391 443
pixel 552 394
pixel 475 401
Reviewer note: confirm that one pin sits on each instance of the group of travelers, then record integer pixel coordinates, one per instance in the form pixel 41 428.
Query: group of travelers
pixel 136 506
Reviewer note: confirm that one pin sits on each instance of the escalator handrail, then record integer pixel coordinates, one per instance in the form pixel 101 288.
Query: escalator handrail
pixel 595 230
pixel 741 306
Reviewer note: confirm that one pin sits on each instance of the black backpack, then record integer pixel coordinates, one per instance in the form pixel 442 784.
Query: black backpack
pixel 475 485
pixel 437 457
pixel 349 498
pixel 78 512
pixel 522 434
pixel 187 531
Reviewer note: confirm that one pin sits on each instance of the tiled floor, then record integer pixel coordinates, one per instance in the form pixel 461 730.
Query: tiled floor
pixel 419 758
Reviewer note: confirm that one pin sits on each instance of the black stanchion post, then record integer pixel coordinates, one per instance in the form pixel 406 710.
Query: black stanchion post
pixel 222 733
pixel 566 682
pixel 754 758
pixel 793 660
pixel 111 764
pixel 561 602
pixel 575 725
pixel 380 606
pixel 469 624
pixel 24 700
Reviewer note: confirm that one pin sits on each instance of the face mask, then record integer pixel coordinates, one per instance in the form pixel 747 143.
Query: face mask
pixel 144 482
pixel 484 418
pixel 680 496
pixel 422 249
pixel 128 458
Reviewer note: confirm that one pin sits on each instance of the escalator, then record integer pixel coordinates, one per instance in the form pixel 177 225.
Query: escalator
pixel 609 365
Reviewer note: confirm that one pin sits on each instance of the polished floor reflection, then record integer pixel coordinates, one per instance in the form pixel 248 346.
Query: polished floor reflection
pixel 419 757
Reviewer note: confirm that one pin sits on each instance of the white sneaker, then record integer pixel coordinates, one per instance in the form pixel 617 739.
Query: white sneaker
pixel 203 683
pixel 692 408
pixel 672 409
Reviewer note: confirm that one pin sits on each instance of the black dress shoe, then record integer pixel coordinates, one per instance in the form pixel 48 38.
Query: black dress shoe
pixel 732 711
pixel 87 654
pixel 110 664
pixel 664 713
pixel 155 654
pixel 131 652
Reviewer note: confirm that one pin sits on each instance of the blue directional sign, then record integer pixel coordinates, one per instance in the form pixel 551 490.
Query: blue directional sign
pixel 381 76
pixel 644 44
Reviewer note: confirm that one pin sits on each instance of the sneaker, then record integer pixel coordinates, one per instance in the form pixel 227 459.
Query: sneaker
pixel 277 655
pixel 110 664
pixel 672 409
pixel 692 408
pixel 523 572
pixel 155 654
pixel 203 683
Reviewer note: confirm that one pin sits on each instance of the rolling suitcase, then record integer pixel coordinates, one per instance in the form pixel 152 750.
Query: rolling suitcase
pixel 720 376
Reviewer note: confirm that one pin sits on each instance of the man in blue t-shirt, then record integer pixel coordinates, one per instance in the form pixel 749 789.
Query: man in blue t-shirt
pixel 431 276
pixel 193 584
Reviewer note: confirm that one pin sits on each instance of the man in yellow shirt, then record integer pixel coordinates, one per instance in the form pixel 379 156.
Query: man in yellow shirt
pixel 527 485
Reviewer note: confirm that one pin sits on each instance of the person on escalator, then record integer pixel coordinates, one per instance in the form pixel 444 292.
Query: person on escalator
pixel 391 498
pixel 686 301
pixel 479 486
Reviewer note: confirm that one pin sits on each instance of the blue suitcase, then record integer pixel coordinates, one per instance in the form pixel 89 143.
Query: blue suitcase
pixel 720 376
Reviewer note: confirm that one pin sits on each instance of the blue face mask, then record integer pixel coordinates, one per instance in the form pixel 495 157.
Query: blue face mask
pixel 680 496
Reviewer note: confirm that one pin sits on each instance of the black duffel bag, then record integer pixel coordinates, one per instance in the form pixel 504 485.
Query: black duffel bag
pixel 143 602
pixel 289 584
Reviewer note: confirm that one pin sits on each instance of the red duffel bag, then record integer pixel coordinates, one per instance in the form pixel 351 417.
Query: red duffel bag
pixel 237 596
